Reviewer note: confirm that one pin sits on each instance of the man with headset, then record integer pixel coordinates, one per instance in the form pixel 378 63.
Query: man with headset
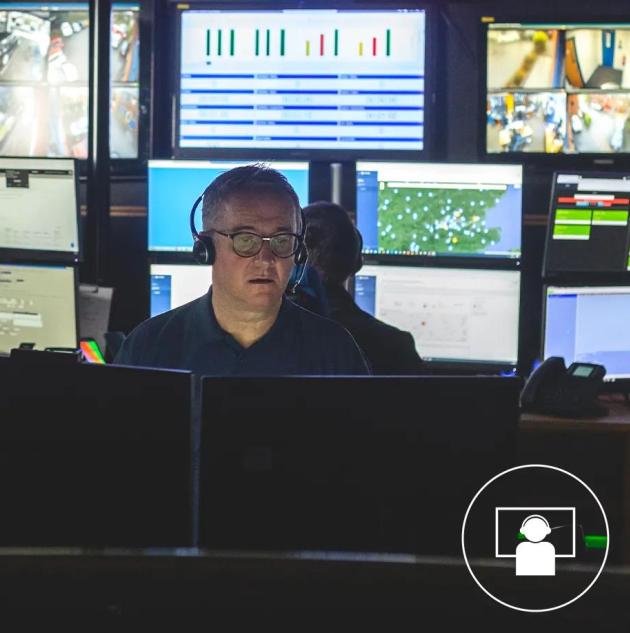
pixel 334 246
pixel 253 235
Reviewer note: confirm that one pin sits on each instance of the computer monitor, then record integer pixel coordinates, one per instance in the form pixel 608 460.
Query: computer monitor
pixel 37 305
pixel 589 324
pixel 94 455
pixel 557 87
pixel 456 315
pixel 369 464
pixel 44 67
pixel 39 213
pixel 174 185
pixel 301 80
pixel 588 228
pixel 440 209
pixel 173 285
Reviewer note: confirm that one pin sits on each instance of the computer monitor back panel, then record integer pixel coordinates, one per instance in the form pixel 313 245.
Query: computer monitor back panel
pixel 466 316
pixel 368 464
pixel 440 209
pixel 588 228
pixel 39 215
pixel 37 305
pixel 589 324
pixel 94 455
pixel 174 185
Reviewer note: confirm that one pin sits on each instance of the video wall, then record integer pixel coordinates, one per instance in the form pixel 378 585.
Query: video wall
pixel 44 74
pixel 558 88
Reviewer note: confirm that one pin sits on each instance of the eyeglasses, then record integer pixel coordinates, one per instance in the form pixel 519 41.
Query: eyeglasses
pixel 247 244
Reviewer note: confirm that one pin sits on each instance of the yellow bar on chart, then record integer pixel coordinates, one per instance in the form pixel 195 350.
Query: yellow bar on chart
pixel 308 47
pixel 360 49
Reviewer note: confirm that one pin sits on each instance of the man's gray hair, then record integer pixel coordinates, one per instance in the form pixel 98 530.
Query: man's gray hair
pixel 257 178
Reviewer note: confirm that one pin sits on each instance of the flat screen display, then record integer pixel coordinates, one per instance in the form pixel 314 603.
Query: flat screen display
pixel 44 72
pixel 589 324
pixel 558 88
pixel 322 79
pixel 173 285
pixel 588 224
pixel 454 314
pixel 446 209
pixel 38 206
pixel 37 305
pixel 174 185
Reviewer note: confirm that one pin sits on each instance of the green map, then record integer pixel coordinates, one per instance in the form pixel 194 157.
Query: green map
pixel 412 219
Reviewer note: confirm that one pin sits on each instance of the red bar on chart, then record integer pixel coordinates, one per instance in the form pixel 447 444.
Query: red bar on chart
pixel 321 44
pixel 374 46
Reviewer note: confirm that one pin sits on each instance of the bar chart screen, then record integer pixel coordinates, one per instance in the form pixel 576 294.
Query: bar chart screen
pixel 302 79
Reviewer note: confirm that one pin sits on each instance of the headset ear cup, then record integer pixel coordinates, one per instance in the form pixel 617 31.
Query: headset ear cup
pixel 203 250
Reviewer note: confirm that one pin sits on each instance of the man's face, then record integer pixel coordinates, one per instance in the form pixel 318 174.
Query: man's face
pixel 258 282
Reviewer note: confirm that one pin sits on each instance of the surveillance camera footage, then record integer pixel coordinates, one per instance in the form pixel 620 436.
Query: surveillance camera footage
pixel 44 52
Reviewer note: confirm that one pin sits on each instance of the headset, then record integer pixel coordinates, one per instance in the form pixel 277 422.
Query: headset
pixel 203 250
pixel 358 253
pixel 537 516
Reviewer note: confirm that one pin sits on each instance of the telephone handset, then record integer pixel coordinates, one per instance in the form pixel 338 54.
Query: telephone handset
pixel 556 390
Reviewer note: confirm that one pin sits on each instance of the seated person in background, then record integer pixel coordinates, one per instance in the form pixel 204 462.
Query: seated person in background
pixel 334 246
pixel 252 235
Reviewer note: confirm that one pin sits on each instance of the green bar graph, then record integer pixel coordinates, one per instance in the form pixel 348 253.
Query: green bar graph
pixel 336 42
pixel 219 43
pixel 231 41
pixel 268 42
pixel 282 42
pixel 208 42
pixel 388 42
pixel 257 42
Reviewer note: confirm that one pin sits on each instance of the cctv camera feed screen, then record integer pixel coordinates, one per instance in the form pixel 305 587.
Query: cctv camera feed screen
pixel 558 88
pixel 37 305
pixel 432 209
pixel 302 79
pixel 589 229
pixel 169 212
pixel 589 324
pixel 455 315
pixel 44 53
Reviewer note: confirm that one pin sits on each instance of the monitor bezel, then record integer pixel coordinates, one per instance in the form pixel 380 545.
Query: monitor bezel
pixel 541 160
pixel 585 277
pixel 430 73
pixel 26 255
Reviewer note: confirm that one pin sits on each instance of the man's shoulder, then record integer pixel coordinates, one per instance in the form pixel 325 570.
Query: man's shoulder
pixel 318 324
pixel 167 320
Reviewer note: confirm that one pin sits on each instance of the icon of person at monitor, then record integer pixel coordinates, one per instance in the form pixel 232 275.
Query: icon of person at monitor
pixel 535 556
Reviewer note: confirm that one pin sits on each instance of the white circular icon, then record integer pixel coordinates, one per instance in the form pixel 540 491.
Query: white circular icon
pixel 537 537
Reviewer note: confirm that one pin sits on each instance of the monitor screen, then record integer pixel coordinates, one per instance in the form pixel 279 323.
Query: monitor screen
pixel 174 185
pixel 589 325
pixel 588 224
pixel 173 285
pixel 302 79
pixel 454 314
pixel 37 305
pixel 44 76
pixel 557 88
pixel 38 206
pixel 433 209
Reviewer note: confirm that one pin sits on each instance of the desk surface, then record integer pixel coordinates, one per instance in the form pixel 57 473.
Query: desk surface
pixel 617 420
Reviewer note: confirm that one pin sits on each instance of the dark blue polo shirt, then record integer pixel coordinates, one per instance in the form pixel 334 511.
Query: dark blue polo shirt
pixel 189 337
